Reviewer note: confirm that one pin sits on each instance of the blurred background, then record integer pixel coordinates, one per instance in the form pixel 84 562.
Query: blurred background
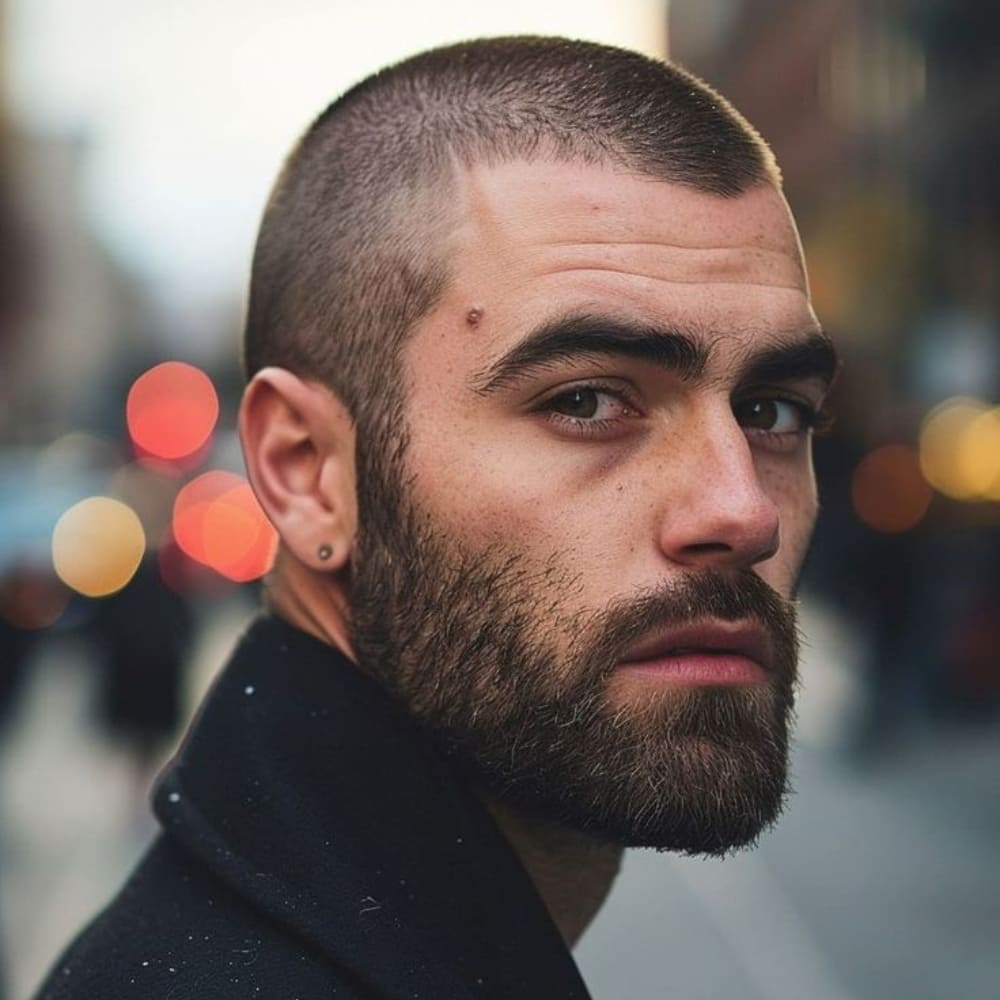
pixel 137 145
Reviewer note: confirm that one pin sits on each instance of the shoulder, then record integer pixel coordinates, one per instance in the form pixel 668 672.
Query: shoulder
pixel 176 932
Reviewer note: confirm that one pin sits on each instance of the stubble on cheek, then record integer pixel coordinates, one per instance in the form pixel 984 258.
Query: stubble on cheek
pixel 489 648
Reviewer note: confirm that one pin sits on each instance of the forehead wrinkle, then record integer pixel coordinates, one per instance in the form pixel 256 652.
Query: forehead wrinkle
pixel 598 217
pixel 659 279
pixel 521 231
pixel 672 263
pixel 666 244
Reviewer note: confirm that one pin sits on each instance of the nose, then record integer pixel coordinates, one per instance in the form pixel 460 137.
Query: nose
pixel 719 516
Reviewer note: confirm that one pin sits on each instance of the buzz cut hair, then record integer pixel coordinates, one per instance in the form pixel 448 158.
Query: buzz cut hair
pixel 353 246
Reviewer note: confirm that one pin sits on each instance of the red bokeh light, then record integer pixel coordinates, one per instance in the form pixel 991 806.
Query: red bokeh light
pixel 218 522
pixel 171 411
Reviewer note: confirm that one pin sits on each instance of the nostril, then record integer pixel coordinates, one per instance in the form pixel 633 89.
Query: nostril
pixel 734 547
pixel 707 548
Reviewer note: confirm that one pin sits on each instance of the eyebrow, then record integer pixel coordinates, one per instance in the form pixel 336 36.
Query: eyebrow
pixel 811 357
pixel 581 337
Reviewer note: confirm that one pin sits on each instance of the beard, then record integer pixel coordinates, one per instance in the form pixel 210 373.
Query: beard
pixel 481 650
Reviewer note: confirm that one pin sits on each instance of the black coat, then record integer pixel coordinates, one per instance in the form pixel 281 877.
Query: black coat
pixel 315 845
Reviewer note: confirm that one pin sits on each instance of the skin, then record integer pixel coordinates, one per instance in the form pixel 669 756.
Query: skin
pixel 541 239
pixel 674 479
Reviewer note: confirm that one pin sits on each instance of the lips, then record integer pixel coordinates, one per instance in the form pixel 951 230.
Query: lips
pixel 745 639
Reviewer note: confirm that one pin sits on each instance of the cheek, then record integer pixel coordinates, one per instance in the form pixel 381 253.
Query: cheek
pixel 494 502
pixel 475 491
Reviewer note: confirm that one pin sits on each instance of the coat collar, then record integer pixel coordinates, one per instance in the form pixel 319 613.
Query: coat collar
pixel 306 788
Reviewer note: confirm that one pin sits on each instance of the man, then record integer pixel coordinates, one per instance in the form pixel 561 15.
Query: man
pixel 533 377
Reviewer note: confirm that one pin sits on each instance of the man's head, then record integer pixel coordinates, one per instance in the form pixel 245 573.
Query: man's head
pixel 550 370
pixel 358 240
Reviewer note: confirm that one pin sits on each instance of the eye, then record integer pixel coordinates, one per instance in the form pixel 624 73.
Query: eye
pixel 592 410
pixel 779 416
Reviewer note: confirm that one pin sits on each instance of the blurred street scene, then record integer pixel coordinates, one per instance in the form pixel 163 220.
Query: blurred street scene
pixel 136 149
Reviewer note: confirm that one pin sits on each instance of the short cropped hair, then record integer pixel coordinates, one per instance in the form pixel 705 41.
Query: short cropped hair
pixel 352 251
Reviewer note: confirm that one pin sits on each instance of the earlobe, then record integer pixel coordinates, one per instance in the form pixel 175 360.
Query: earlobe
pixel 298 442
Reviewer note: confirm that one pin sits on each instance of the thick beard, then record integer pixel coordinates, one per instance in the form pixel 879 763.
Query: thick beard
pixel 469 642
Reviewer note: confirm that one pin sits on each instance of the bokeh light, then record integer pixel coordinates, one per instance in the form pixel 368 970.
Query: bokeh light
pixel 78 451
pixel 97 546
pixel 218 522
pixel 960 448
pixel 31 599
pixel 171 410
pixel 888 491
pixel 978 458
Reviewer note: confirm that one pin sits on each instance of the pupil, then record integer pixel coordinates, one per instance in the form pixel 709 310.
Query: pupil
pixel 761 413
pixel 580 403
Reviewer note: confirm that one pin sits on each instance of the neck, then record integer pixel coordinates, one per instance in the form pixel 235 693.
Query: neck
pixel 573 872
pixel 314 602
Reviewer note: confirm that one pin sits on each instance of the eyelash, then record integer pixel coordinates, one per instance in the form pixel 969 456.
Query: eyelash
pixel 582 426
pixel 816 419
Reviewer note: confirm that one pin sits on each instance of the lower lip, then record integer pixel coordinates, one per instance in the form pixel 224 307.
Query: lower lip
pixel 699 668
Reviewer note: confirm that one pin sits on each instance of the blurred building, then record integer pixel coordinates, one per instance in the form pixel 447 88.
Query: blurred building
pixel 66 310
pixel 81 312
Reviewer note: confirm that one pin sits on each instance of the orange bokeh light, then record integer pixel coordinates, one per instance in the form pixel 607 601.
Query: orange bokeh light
pixel 888 491
pixel 218 522
pixel 171 410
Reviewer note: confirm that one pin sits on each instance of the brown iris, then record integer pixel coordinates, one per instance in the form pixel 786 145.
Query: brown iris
pixel 761 414
pixel 577 403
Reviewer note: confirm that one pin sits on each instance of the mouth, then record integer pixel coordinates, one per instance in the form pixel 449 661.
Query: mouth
pixel 706 652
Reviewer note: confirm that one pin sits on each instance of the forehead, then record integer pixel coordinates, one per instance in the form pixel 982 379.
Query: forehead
pixel 536 240
pixel 556 203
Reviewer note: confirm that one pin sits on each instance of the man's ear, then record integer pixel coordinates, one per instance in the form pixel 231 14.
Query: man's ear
pixel 298 441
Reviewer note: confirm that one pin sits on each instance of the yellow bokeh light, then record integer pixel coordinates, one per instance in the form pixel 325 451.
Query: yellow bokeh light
pixel 97 546
pixel 960 448
pixel 978 455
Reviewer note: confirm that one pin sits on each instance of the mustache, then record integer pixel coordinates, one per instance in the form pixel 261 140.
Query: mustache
pixel 728 597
